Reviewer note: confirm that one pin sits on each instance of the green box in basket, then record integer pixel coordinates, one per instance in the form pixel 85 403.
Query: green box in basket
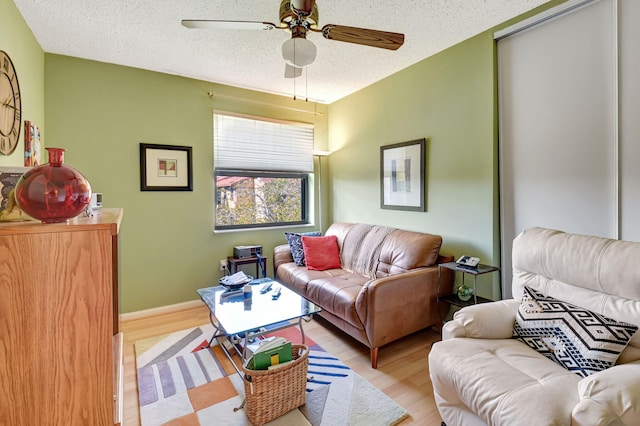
pixel 262 360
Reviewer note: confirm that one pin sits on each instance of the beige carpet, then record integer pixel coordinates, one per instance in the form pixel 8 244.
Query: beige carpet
pixel 180 383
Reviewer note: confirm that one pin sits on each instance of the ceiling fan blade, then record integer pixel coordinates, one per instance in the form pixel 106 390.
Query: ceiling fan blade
pixel 228 25
pixel 292 72
pixel 374 38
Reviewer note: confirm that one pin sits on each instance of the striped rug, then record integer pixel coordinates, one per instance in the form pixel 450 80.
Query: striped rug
pixel 181 382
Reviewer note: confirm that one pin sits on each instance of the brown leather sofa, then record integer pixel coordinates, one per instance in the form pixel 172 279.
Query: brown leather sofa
pixel 386 288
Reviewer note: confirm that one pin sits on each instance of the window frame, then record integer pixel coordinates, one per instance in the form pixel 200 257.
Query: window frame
pixel 304 195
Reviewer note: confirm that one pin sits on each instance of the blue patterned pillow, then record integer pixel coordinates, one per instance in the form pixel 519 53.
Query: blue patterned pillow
pixel 579 340
pixel 295 242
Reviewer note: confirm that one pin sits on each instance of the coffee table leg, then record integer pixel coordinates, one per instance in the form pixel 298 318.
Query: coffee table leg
pixel 220 336
pixel 305 318
pixel 221 340
pixel 219 331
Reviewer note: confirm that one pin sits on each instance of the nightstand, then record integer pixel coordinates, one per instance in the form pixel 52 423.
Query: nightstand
pixel 453 299
pixel 235 262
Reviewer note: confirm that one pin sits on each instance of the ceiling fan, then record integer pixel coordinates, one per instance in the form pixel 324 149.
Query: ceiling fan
pixel 300 17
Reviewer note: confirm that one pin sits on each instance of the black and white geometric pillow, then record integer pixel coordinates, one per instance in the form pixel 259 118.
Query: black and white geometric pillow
pixel 579 340
pixel 295 243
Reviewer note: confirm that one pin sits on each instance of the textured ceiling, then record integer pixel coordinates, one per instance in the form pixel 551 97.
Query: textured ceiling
pixel 148 34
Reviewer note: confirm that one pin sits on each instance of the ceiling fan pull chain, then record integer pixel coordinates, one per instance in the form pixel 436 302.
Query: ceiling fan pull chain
pixel 294 88
pixel 306 83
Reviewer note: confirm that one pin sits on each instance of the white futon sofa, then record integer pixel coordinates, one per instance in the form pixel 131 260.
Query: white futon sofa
pixel 481 375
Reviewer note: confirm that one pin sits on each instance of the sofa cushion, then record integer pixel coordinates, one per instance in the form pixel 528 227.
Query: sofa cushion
pixel 502 381
pixel 338 295
pixel 579 340
pixel 403 251
pixel 379 251
pixel 361 248
pixel 321 253
pixel 335 290
pixel 295 243
pixel 298 277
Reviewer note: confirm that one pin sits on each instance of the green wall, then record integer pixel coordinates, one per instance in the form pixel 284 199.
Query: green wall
pixel 447 99
pixel 451 100
pixel 101 113
pixel 28 58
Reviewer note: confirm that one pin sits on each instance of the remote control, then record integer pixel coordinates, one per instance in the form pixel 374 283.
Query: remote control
pixel 265 288
pixel 276 293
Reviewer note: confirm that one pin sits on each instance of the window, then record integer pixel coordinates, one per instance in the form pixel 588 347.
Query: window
pixel 261 171
pixel 253 199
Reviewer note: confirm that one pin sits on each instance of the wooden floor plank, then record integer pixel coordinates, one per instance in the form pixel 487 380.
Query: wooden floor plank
pixel 402 371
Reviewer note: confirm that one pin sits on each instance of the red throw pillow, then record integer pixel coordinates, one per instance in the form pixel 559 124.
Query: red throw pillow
pixel 321 253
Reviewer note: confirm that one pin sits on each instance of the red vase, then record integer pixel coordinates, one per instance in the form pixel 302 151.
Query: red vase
pixel 53 192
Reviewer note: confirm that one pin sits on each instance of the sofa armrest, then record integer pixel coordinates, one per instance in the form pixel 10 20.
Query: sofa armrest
pixel 281 254
pixel 444 258
pixel 493 320
pixel 609 397
pixel 397 305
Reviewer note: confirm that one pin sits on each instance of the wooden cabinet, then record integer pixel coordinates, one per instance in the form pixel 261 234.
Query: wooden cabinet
pixel 59 322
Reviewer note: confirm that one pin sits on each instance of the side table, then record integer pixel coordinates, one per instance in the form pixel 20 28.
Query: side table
pixel 235 262
pixel 453 299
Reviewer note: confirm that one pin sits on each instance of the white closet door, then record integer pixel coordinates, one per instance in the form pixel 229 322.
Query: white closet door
pixel 629 12
pixel 558 131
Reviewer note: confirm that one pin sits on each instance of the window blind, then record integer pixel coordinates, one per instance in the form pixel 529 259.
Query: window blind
pixel 241 143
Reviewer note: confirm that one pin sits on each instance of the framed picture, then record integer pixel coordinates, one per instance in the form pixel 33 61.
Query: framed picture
pixel 9 176
pixel 31 144
pixel 165 168
pixel 402 173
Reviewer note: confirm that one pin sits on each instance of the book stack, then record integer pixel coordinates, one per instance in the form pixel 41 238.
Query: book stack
pixel 270 354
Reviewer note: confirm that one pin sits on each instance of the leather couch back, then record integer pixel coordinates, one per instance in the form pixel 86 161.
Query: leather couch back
pixel 599 274
pixel 390 251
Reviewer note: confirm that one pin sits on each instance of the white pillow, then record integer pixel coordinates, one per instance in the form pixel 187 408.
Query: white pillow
pixel 579 340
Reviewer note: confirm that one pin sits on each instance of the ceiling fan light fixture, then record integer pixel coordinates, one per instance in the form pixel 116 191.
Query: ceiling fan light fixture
pixel 299 52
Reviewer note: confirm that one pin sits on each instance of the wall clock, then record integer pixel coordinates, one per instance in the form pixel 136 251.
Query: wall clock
pixel 10 106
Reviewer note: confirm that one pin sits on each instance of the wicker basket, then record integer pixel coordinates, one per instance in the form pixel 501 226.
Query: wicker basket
pixel 273 393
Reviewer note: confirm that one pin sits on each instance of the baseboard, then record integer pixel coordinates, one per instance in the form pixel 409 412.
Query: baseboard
pixel 145 313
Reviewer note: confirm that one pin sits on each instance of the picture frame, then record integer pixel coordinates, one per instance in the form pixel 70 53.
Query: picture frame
pixel 9 177
pixel 165 167
pixel 32 144
pixel 402 176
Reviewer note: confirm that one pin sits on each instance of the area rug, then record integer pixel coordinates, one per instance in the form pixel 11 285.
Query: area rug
pixel 182 382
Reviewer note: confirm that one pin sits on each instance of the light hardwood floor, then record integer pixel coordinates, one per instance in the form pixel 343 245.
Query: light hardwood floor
pixel 402 371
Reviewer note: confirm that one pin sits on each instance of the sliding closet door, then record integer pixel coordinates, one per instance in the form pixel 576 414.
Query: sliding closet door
pixel 558 127
pixel 629 12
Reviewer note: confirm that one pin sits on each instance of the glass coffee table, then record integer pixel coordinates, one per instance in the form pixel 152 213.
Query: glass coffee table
pixel 241 319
